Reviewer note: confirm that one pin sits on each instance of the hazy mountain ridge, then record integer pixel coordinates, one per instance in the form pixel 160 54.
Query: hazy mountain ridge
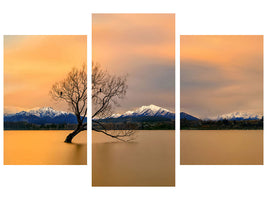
pixel 45 115
pixel 239 116
pixel 229 116
pixel 145 112
pixel 232 121
pixel 186 116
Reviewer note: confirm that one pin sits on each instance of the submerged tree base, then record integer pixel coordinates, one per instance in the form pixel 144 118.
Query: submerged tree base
pixel 75 132
pixel 70 137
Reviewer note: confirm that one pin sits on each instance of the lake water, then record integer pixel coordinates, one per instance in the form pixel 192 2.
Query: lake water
pixel 148 161
pixel 44 148
pixel 221 147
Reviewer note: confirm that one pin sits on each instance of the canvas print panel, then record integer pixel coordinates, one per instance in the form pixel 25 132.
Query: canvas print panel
pixel 133 100
pixel 45 99
pixel 221 99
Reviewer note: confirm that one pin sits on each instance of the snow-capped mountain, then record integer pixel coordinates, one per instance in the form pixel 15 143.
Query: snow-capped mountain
pixel 239 116
pixel 42 116
pixel 147 111
pixel 41 112
pixel 186 116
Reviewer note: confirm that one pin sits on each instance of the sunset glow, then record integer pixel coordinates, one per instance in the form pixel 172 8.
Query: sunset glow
pixel 221 74
pixel 142 46
pixel 32 64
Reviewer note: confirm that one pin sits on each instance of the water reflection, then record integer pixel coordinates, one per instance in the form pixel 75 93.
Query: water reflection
pixel 44 148
pixel 222 147
pixel 147 161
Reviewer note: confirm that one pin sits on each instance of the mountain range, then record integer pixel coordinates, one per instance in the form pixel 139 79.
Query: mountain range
pixel 186 116
pixel 148 111
pixel 238 116
pixel 48 115
pixel 45 115
pixel 143 113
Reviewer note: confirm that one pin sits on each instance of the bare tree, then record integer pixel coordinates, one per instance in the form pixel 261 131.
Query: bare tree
pixel 107 90
pixel 73 90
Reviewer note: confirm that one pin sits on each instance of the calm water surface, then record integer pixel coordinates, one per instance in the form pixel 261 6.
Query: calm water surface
pixel 235 147
pixel 148 161
pixel 44 148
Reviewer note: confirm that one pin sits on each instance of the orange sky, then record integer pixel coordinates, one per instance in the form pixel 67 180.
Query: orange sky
pixel 142 46
pixel 225 73
pixel 33 63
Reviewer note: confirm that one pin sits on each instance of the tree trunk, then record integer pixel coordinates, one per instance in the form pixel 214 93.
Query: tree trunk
pixel 73 134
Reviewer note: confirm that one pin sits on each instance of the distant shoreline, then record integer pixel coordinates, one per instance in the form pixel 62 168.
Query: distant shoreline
pixel 221 124
pixel 218 129
pixel 38 129
pixel 73 129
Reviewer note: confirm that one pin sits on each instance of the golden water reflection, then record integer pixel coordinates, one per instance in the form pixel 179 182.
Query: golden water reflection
pixel 221 147
pixel 148 161
pixel 44 147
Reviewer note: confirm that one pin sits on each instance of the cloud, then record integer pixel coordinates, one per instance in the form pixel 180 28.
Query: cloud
pixel 33 63
pixel 221 74
pixel 142 46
